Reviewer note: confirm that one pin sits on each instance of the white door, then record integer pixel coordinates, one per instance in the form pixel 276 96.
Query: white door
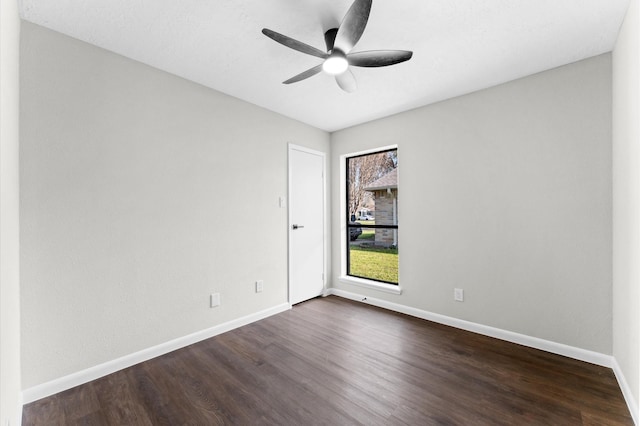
pixel 306 224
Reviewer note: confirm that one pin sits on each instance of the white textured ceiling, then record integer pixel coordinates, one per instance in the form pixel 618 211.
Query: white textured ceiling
pixel 459 46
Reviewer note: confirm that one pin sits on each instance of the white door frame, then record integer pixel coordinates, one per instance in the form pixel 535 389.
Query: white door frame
pixel 323 155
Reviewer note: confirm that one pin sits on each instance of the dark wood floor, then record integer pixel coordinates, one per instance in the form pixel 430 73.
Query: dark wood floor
pixel 336 362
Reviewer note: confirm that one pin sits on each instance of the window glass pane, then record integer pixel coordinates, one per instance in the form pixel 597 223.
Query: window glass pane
pixel 372 213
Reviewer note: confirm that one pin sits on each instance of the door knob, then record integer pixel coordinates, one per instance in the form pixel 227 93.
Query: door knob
pixel 294 226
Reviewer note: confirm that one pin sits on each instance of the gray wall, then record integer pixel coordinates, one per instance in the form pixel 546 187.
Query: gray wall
pixel 626 200
pixel 10 386
pixel 141 194
pixel 505 193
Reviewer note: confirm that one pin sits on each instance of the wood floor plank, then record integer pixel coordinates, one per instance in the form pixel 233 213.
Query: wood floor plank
pixel 339 362
pixel 119 402
pixel 46 411
pixel 239 396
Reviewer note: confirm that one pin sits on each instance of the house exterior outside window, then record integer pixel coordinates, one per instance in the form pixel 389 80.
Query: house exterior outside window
pixel 385 196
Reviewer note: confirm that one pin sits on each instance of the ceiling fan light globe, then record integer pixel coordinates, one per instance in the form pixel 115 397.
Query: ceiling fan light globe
pixel 335 64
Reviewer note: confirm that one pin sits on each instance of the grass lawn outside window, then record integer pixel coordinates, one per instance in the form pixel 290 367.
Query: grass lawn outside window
pixel 375 263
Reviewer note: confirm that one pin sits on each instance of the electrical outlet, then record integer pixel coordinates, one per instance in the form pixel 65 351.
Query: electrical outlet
pixel 214 300
pixel 259 286
pixel 458 295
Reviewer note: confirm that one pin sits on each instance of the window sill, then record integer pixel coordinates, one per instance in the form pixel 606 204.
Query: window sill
pixel 375 285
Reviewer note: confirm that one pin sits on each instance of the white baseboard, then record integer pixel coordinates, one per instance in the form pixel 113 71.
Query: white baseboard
pixel 67 382
pixel 626 392
pixel 509 336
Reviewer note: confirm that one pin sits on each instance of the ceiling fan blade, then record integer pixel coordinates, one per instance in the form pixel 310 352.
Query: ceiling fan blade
pixel 308 73
pixel 353 25
pixel 294 44
pixel 378 58
pixel 347 81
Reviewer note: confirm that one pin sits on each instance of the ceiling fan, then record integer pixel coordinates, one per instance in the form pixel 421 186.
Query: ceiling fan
pixel 340 41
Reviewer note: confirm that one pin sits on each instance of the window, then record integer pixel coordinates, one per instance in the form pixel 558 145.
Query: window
pixel 372 216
